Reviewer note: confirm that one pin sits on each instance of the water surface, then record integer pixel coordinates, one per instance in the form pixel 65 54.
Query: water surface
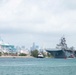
pixel 37 66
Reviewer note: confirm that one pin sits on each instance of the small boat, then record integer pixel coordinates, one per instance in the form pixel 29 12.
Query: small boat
pixel 14 57
pixel 40 55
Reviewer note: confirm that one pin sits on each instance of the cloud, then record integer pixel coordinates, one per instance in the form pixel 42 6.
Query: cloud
pixel 7 9
pixel 38 17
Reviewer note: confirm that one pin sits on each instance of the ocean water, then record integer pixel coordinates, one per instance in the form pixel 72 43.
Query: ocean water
pixel 37 66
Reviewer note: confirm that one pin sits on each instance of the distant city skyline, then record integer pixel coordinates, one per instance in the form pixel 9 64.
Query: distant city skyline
pixel 44 22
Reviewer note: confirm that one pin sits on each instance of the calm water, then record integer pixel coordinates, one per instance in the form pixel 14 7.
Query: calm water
pixel 36 66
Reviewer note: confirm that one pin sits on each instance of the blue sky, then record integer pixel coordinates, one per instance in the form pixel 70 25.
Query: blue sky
pixel 23 22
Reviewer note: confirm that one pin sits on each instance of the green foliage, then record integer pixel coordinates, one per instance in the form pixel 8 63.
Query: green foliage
pixel 49 55
pixel 5 53
pixel 34 53
pixel 0 54
pixel 22 54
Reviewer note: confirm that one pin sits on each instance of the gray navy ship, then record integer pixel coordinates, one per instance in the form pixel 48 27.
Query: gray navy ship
pixel 62 50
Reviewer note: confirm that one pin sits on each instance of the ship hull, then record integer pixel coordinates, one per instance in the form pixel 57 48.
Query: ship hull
pixel 61 53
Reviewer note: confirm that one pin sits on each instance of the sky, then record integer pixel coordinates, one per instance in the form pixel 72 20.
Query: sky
pixel 44 22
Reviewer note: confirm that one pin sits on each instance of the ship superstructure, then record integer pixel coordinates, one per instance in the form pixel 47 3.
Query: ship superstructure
pixel 6 48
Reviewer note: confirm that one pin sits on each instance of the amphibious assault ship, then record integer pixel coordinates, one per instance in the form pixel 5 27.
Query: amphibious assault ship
pixel 62 51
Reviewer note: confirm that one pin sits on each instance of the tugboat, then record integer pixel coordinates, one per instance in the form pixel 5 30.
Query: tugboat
pixel 62 51
pixel 40 55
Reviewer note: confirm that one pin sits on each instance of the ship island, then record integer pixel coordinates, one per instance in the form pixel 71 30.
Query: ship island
pixel 62 50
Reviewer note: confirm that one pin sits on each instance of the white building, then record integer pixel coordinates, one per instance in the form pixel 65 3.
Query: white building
pixel 34 47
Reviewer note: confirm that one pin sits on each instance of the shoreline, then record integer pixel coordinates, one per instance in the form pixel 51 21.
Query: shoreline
pixel 16 57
